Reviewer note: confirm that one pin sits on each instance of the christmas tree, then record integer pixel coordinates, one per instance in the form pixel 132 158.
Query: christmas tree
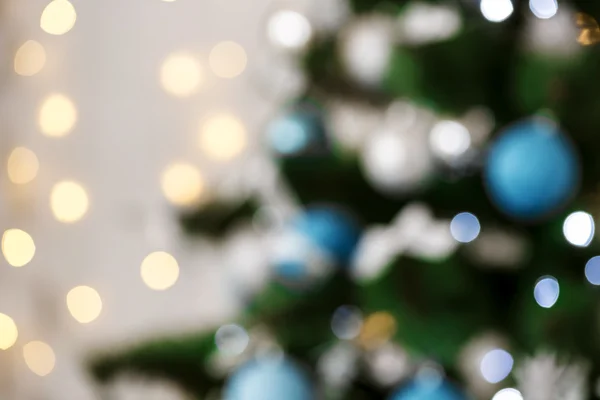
pixel 440 242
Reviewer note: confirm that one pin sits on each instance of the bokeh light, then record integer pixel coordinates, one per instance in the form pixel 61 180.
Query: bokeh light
pixel 232 339
pixel 377 330
pixel 8 332
pixel 543 9
pixel 180 74
pixel 159 270
pixel 18 247
pixel 182 184
pixel 22 166
pixel 227 59
pixel 496 10
pixel 546 291
pixel 57 116
pixel 465 227
pixel 449 140
pixel 508 394
pixel 222 137
pixel 39 357
pixel 30 58
pixel 84 304
pixel 592 270
pixel 58 17
pixel 69 202
pixel 578 228
pixel 289 29
pixel 346 322
pixel 288 135
pixel 496 365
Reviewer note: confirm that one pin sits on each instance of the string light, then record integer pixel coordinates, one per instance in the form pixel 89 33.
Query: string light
pixel 223 137
pixel 496 365
pixel 8 332
pixel 22 166
pixel 18 247
pixel 543 9
pixel 227 59
pixel 496 10
pixel 546 291
pixel 84 304
pixel 160 270
pixel 69 202
pixel 57 116
pixel 465 227
pixel 182 184
pixel 578 229
pixel 449 140
pixel 58 17
pixel 180 74
pixel 39 357
pixel 30 58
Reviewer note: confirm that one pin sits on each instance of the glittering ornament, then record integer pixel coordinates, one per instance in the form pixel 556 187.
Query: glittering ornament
pixel 532 169
pixel 544 377
pixel 428 388
pixel 317 241
pixel 298 131
pixel 366 47
pixel 269 380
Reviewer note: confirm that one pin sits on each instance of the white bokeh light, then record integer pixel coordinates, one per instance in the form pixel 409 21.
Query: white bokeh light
pixel 578 228
pixel 508 394
pixel 592 270
pixel 449 140
pixel 346 322
pixel 289 29
pixel 465 227
pixel 232 339
pixel 546 291
pixel 496 10
pixel 543 9
pixel 496 365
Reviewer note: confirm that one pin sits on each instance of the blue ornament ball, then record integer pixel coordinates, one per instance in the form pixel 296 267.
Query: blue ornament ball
pixel 317 241
pixel 532 169
pixel 269 380
pixel 428 389
pixel 299 130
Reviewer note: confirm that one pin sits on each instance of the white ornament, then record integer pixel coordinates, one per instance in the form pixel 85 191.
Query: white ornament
pixel 553 37
pixel 366 48
pixel 129 387
pixel 351 123
pixel 396 159
pixel 422 23
pixel 543 377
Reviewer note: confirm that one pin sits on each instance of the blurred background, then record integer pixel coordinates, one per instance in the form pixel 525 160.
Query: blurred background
pixel 303 199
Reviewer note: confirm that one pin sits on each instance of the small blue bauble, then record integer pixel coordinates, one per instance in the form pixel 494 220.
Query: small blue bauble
pixel 532 169
pixel 428 389
pixel 269 380
pixel 297 131
pixel 316 242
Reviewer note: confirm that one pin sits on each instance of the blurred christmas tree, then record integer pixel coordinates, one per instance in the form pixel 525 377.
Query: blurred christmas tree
pixel 443 158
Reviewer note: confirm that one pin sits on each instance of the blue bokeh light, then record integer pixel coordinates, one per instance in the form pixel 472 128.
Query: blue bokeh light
pixel 546 291
pixel 592 270
pixel 465 227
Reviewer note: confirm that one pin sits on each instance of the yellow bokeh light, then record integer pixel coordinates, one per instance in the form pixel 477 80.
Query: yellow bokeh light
pixel 227 59
pixel 377 329
pixel 223 137
pixel 30 58
pixel 57 116
pixel 84 304
pixel 58 17
pixel 159 270
pixel 182 184
pixel 8 332
pixel 69 201
pixel 22 166
pixel 180 74
pixel 18 247
pixel 39 357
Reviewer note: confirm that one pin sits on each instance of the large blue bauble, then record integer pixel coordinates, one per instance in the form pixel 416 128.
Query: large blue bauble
pixel 532 169
pixel 428 389
pixel 300 130
pixel 269 380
